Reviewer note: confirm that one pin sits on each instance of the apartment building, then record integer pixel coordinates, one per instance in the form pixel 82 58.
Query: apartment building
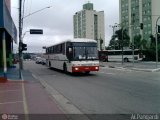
pixel 89 23
pixel 135 12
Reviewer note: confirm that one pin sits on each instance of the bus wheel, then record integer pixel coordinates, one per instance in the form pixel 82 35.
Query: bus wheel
pixel 125 59
pixel 104 60
pixel 87 72
pixel 65 68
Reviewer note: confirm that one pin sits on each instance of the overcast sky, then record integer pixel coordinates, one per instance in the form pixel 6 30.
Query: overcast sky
pixel 57 21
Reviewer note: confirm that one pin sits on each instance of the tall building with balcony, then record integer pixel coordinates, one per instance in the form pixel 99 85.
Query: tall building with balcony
pixel 135 12
pixel 89 23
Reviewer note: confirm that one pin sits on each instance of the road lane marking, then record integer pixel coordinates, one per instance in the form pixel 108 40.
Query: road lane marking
pixel 107 73
pixel 14 102
pixel 25 106
pixel 8 91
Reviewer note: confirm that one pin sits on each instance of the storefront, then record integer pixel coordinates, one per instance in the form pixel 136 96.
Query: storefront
pixel 8 35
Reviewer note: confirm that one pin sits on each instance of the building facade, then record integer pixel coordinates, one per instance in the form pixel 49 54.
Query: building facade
pixel 136 12
pixel 8 35
pixel 89 23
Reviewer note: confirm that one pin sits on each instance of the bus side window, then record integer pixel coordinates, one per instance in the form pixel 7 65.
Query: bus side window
pixel 63 49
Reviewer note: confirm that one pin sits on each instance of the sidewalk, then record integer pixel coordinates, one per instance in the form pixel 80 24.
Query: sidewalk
pixel 26 99
pixel 137 66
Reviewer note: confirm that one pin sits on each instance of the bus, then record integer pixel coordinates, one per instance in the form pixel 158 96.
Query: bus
pixel 116 55
pixel 73 55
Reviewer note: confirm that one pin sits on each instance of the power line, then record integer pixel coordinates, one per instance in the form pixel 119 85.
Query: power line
pixel 30 7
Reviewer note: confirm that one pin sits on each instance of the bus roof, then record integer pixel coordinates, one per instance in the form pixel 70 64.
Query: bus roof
pixel 75 40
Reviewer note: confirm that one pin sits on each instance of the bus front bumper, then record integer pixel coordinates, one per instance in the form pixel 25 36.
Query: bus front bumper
pixel 85 68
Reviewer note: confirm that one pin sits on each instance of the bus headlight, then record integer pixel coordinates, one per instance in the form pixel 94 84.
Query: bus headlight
pixel 76 68
pixel 96 68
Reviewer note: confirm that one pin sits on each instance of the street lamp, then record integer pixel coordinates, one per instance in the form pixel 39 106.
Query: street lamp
pixel 36 11
pixel 21 19
pixel 157 41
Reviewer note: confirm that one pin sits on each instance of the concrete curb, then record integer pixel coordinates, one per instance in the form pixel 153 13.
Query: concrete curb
pixel 135 69
pixel 62 102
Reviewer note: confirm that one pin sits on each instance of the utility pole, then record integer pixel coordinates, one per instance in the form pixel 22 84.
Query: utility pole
pixel 23 46
pixel 122 45
pixel 20 39
pixel 157 42
pixel 132 24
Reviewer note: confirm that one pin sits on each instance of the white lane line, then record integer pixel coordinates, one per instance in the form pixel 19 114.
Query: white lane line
pixel 8 91
pixel 107 73
pixel 11 102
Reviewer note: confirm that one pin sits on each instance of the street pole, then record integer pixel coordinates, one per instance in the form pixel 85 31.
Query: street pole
pixel 157 42
pixel 113 27
pixel 122 46
pixel 132 48
pixel 20 34
pixel 133 15
pixel 20 39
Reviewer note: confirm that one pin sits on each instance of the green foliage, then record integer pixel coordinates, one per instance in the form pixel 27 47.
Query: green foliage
pixel 117 42
pixel 139 43
pixel 150 52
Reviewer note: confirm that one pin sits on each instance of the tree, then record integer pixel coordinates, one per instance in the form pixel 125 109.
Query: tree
pixel 117 42
pixel 140 43
pixel 150 52
pixel 153 42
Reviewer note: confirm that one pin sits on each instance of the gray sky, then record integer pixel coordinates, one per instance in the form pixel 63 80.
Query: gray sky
pixel 57 22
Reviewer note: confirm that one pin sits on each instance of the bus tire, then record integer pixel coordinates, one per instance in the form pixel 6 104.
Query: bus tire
pixel 104 60
pixel 65 68
pixel 87 72
pixel 126 60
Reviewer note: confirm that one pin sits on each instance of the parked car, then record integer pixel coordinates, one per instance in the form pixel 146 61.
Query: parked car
pixel 38 60
pixel 43 61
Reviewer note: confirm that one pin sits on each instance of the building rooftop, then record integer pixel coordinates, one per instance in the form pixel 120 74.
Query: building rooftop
pixel 88 6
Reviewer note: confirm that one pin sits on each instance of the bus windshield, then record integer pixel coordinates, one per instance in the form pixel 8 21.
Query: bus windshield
pixel 85 53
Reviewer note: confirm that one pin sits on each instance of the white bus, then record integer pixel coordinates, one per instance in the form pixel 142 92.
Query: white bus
pixel 116 55
pixel 73 55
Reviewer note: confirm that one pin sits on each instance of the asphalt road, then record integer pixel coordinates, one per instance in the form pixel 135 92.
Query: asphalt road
pixel 110 90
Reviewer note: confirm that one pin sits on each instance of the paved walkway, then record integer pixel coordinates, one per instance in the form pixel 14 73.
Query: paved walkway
pixel 27 99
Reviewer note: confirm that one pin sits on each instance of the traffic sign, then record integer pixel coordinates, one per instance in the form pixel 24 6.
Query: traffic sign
pixel 36 31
